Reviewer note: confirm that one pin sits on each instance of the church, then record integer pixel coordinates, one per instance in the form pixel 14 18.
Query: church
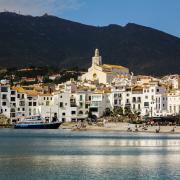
pixel 103 73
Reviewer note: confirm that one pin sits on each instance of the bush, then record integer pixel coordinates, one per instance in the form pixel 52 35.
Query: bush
pixel 136 122
pixel 100 124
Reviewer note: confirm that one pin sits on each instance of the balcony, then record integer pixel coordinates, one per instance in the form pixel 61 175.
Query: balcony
pixel 73 104
pixel 127 105
pixel 136 101
pixel 94 104
pixel 22 103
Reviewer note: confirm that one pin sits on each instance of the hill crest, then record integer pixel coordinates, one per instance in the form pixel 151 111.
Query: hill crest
pixel 49 40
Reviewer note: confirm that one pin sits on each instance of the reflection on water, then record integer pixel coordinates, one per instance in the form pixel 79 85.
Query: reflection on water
pixel 58 154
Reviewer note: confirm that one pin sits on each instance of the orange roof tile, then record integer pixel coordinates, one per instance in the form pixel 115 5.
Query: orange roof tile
pixel 113 66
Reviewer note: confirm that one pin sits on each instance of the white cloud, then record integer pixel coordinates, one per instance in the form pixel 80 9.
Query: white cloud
pixel 39 7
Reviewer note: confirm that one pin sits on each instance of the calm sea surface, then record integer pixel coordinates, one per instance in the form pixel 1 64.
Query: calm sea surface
pixel 60 154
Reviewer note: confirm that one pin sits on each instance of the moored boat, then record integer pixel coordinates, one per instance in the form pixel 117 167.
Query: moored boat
pixel 37 122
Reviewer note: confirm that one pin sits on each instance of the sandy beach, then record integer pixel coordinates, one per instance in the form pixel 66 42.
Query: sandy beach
pixel 122 127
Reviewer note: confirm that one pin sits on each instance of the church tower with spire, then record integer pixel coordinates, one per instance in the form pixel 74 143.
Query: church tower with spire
pixel 96 60
pixel 103 73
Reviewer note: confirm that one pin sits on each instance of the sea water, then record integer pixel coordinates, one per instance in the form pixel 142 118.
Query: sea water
pixel 63 154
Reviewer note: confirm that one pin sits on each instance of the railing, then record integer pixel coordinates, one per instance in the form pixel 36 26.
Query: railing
pixel 127 104
pixel 73 105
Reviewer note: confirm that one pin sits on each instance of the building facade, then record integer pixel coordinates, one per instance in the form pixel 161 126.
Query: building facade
pixel 103 73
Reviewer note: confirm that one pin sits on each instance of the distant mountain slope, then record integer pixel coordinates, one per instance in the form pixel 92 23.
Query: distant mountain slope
pixel 48 40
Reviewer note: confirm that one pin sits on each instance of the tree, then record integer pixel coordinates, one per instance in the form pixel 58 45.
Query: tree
pixel 127 111
pixel 137 115
pixel 118 111
pixel 107 112
pixel 46 79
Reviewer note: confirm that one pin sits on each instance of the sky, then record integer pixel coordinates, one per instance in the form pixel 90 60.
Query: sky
pixel 159 14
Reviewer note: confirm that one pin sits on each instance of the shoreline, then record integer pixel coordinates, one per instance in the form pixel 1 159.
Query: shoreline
pixel 116 127
pixel 5 126
pixel 122 127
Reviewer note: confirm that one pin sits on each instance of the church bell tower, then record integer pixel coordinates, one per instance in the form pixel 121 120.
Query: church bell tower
pixel 96 60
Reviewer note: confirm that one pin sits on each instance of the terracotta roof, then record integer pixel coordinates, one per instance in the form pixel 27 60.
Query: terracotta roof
pixel 25 69
pixel 102 91
pixel 113 66
pixel 46 94
pixel 31 92
pixel 18 89
pixel 22 90
pixel 137 88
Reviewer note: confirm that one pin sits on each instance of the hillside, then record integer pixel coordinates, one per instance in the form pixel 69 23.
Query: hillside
pixel 49 40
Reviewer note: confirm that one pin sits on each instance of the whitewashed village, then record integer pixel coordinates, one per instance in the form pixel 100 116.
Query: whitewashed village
pixel 104 89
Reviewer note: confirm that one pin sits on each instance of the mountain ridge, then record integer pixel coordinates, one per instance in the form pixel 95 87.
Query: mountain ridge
pixel 50 40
